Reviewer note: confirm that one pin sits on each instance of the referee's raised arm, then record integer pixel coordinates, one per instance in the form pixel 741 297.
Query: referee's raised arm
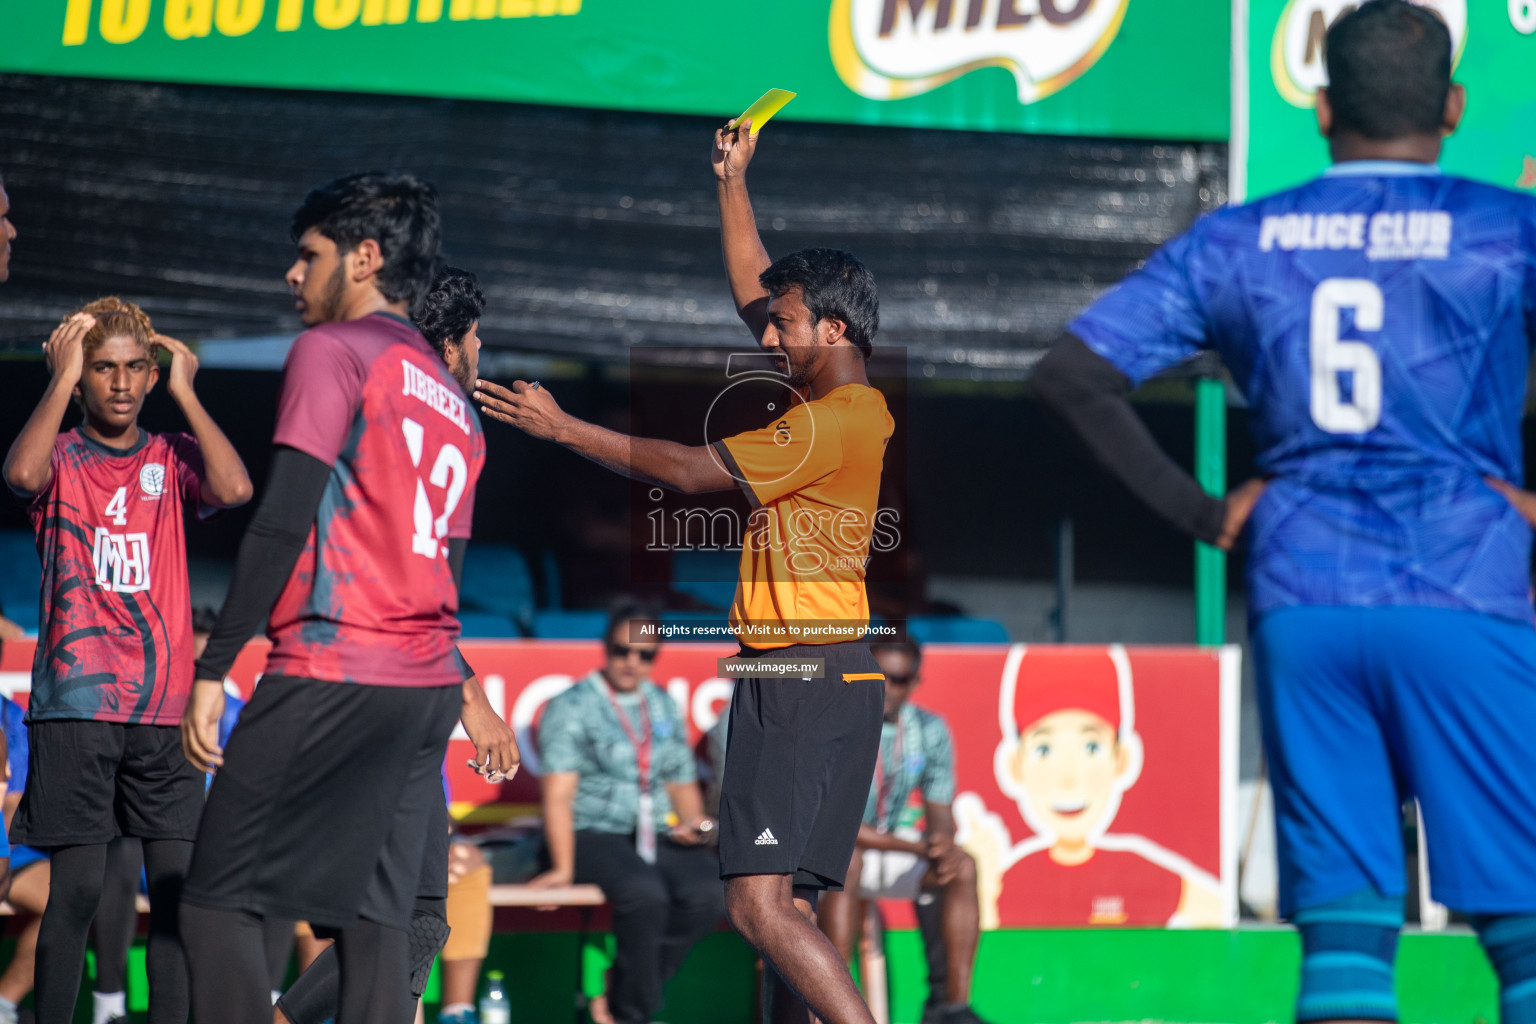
pixel 745 257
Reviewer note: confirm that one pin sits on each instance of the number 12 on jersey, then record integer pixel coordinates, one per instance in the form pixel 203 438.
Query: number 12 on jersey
pixel 450 470
pixel 1331 356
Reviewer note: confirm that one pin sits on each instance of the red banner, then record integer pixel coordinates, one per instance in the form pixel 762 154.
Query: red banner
pixel 1096 785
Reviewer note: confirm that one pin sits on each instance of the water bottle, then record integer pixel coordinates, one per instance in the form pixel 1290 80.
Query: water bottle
pixel 495 1008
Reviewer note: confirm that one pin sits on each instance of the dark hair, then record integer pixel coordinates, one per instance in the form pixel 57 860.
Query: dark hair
pixel 451 308
pixel 909 647
pixel 629 610
pixel 204 619
pixel 395 210
pixel 834 285
pixel 1389 70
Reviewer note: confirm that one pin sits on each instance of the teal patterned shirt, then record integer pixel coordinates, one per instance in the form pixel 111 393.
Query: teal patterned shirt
pixel 927 763
pixel 580 732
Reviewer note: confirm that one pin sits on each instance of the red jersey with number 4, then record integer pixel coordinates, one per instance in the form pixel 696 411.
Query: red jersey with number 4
pixel 372 599
pixel 115 642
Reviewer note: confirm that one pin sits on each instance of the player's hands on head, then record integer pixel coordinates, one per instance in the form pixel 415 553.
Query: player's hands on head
pixel 1240 503
pixel 200 725
pixel 1524 501
pixel 65 349
pixel 528 407
pixel 183 365
pixel 732 151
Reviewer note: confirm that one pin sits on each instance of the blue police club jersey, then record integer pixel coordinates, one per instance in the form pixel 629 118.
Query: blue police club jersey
pixel 1378 320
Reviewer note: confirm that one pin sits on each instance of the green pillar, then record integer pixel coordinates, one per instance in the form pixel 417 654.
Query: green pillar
pixel 1211 471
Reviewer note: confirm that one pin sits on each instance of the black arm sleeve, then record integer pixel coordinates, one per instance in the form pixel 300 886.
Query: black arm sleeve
pixel 271 546
pixel 456 546
pixel 1085 390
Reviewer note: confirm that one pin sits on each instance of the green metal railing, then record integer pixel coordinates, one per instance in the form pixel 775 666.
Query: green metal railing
pixel 1211 471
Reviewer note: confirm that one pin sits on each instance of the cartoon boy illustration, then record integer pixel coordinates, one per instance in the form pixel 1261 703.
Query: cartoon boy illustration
pixel 1069 752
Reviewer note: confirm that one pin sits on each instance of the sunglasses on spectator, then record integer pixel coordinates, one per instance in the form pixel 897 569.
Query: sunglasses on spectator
pixel 646 654
pixel 901 680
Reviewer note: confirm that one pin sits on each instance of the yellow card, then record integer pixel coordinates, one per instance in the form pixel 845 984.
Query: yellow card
pixel 768 104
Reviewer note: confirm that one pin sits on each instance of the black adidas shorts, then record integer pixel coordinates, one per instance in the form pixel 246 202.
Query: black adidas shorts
pixel 799 761
pixel 88 782
pixel 326 803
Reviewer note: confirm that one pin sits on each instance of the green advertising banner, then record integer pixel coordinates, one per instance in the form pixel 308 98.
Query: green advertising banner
pixel 1494 40
pixel 1133 68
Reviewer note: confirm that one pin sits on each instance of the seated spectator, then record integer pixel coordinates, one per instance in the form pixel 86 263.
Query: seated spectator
pixel 893 861
pixel 622 810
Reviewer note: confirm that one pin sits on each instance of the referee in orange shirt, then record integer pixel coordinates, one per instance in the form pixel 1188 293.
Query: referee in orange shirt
pixel 802 743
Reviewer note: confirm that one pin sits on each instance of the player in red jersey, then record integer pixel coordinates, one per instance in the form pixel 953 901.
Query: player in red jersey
pixel 321 807
pixel 114 658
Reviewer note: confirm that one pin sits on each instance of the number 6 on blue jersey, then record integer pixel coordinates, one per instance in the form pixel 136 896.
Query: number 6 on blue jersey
pixel 1331 356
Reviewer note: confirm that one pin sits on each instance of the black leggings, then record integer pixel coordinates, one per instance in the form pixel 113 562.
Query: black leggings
pixel 316 995
pixel 230 970
pixel 79 873
pixel 117 916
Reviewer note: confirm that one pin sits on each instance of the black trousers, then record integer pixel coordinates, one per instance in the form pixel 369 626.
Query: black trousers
pixel 659 912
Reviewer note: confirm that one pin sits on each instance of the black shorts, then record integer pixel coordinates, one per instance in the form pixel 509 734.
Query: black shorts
pixel 799 761
pixel 89 782
pixel 323 807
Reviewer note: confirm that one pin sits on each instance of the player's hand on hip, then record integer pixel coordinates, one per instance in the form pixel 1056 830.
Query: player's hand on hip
pixel 1524 501
pixel 1240 503
pixel 732 151
pixel 183 365
pixel 528 407
pixel 65 348
pixel 200 725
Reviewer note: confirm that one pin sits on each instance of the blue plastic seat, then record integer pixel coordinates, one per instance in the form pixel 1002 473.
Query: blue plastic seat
pixel 955 629
pixel 497 580
pixel 21 577
pixel 558 624
pixel 486 625
pixel 707 576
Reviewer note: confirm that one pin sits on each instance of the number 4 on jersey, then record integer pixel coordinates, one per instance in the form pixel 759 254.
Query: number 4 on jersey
pixel 451 471
pixel 117 508
pixel 1331 356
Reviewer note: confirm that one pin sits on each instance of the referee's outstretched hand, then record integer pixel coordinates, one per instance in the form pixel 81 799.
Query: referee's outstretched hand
pixel 200 725
pixel 528 407
pixel 732 151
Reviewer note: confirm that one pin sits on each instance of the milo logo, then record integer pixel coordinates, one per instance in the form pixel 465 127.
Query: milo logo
pixel 1296 56
pixel 891 49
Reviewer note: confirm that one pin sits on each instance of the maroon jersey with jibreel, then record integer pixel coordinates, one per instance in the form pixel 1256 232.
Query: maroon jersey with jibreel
pixel 371 599
pixel 115 644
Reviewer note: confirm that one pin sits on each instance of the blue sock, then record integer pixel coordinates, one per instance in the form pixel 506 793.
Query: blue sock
pixel 1348 947
pixel 1510 941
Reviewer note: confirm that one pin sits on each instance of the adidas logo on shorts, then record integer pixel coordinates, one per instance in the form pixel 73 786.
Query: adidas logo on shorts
pixel 766 839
